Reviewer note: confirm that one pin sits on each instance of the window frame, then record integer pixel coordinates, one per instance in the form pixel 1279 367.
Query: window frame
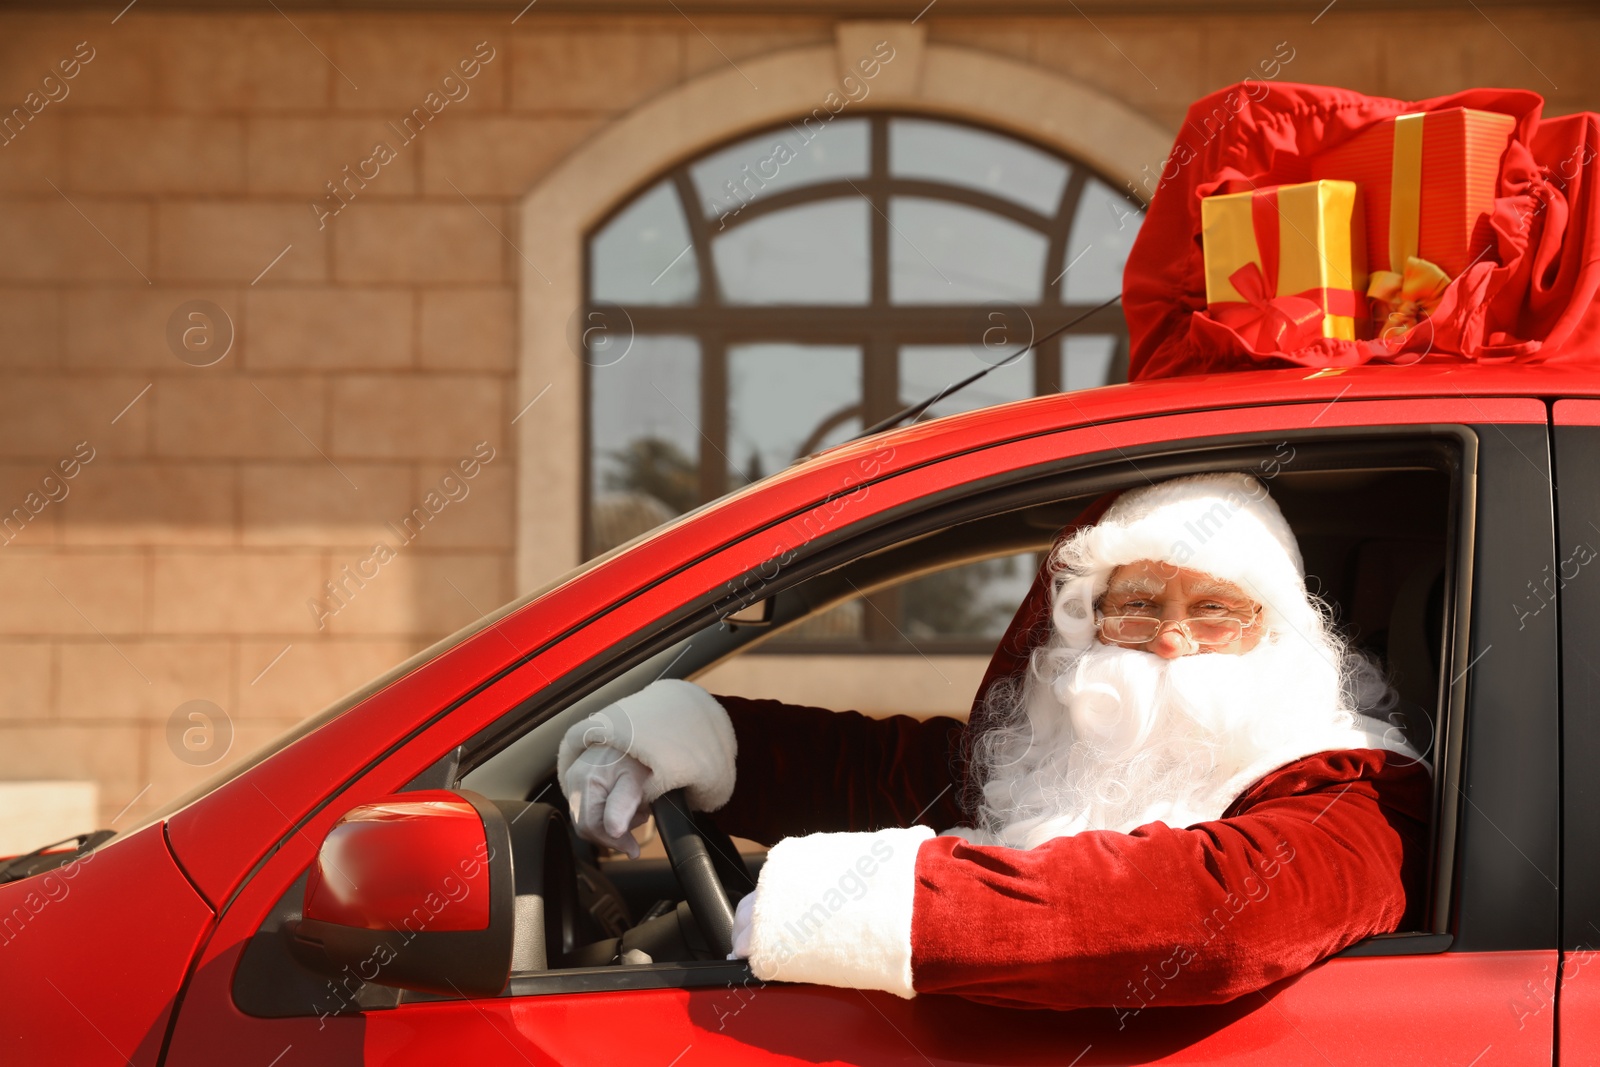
pixel 1030 482
pixel 989 496
pixel 879 327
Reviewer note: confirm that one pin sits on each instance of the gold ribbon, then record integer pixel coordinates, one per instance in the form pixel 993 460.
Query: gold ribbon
pixel 1405 190
pixel 1411 288
pixel 1408 296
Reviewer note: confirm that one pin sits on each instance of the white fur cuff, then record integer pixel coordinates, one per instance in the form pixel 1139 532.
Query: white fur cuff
pixel 835 909
pixel 676 729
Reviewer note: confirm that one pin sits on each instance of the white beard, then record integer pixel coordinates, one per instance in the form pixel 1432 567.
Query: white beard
pixel 1112 738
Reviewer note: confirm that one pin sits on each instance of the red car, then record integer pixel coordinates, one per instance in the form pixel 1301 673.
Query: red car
pixel 386 886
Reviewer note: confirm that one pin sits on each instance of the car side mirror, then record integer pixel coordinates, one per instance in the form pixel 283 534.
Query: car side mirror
pixel 415 890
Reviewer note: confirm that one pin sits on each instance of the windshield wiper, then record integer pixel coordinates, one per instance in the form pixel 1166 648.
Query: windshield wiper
pixel 42 859
pixel 915 410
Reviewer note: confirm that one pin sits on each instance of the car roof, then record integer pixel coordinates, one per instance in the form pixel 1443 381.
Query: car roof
pixel 1231 389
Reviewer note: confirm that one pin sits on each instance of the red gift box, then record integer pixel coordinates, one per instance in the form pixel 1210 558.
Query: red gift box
pixel 1429 182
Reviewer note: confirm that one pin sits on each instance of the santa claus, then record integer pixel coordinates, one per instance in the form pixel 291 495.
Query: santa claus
pixel 1189 792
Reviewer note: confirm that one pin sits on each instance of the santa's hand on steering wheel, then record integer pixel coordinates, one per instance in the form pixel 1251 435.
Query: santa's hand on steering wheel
pixel 671 734
pixel 674 735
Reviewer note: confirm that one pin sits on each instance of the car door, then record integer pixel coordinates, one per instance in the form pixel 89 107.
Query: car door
pixel 1434 995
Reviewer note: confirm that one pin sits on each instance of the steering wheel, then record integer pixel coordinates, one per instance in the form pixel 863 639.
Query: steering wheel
pixel 707 866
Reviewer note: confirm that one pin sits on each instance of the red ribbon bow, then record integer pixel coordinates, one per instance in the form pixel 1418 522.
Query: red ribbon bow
pixel 1267 322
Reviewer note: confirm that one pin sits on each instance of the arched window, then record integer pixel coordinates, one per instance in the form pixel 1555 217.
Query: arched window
pixel 778 295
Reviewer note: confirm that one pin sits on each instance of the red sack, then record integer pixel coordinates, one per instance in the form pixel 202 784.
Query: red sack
pixel 1530 298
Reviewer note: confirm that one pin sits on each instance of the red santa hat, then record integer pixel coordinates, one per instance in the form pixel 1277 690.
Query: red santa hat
pixel 1226 525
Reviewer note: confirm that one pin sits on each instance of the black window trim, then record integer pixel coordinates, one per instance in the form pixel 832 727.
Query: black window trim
pixel 1575 451
pixel 1506 758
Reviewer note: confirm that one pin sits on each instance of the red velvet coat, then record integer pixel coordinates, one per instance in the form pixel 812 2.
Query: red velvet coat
pixel 1309 860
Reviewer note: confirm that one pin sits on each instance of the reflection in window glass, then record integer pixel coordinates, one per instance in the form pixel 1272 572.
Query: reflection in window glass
pixel 989 163
pixel 840 623
pixel 926 369
pixel 1103 230
pixel 786 158
pixel 812 254
pixel 641 256
pixel 786 401
pixel 1086 361
pixel 944 253
pixel 809 314
pixel 644 439
pixel 972 602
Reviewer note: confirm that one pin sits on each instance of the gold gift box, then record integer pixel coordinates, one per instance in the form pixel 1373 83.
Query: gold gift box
pixel 1306 241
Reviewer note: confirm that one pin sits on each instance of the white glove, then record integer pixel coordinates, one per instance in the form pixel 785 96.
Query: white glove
pixel 669 735
pixel 744 917
pixel 605 790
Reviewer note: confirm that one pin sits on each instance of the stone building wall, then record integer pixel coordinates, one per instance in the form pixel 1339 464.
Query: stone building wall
pixel 373 338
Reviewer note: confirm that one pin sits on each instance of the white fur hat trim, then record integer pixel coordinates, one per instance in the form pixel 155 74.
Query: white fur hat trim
pixel 1225 525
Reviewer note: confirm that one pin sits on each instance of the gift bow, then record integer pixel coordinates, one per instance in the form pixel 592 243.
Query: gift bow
pixel 1409 296
pixel 1270 323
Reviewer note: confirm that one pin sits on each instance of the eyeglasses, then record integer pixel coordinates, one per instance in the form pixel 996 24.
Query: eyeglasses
pixel 1141 629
